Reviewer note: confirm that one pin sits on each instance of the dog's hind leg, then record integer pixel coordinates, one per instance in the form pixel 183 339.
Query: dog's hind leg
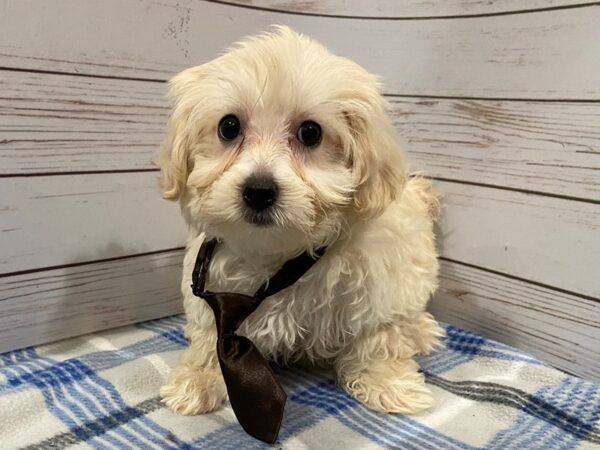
pixel 378 368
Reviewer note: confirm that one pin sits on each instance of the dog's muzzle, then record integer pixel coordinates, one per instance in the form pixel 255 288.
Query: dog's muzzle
pixel 259 193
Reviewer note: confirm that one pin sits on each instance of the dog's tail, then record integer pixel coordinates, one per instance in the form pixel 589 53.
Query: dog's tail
pixel 427 193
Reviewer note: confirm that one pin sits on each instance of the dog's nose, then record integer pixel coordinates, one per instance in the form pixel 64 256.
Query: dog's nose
pixel 260 192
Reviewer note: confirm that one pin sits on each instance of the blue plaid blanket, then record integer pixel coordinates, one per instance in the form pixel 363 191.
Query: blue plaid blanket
pixel 101 391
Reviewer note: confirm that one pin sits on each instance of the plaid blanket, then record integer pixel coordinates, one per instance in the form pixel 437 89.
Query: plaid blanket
pixel 100 391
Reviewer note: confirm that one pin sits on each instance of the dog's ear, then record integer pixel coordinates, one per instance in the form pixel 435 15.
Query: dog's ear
pixel 375 156
pixel 174 163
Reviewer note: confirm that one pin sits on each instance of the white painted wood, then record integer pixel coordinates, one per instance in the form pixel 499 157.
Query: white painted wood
pixel 404 8
pixel 543 239
pixel 559 328
pixel 56 220
pixel 60 220
pixel 55 304
pixel 538 55
pixel 545 147
pixel 60 123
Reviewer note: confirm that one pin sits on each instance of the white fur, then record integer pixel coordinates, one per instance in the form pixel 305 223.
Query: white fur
pixel 361 308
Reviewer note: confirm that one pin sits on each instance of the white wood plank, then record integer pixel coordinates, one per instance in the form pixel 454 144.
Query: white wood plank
pixel 559 328
pixel 59 123
pixel 60 220
pixel 62 123
pixel 404 8
pixel 57 220
pixel 40 307
pixel 46 306
pixel 538 55
pixel 543 239
pixel 545 147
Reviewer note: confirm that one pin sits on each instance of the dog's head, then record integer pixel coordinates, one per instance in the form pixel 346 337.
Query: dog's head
pixel 278 144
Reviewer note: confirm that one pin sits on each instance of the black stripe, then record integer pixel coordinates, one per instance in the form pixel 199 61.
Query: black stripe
pixel 448 16
pixel 98 427
pixel 518 399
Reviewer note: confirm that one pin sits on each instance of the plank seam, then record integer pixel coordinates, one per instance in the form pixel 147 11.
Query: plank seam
pixel 385 94
pixel 524 280
pixel 447 180
pixel 87 263
pixel 406 18
pixel 84 75
pixel 78 172
pixel 514 189
pixel 494 99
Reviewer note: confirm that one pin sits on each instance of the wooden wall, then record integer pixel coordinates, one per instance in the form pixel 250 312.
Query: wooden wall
pixel 498 101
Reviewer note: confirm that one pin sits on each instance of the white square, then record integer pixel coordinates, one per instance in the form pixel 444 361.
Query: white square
pixel 24 419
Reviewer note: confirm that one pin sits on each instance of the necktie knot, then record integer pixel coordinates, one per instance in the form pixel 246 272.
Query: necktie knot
pixel 230 309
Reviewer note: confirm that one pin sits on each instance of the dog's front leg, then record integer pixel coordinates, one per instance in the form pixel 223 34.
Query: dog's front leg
pixel 378 368
pixel 196 385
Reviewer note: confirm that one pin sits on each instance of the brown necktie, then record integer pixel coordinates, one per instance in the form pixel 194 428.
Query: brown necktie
pixel 255 395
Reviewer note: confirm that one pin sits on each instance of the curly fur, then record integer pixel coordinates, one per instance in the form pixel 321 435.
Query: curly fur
pixel 361 309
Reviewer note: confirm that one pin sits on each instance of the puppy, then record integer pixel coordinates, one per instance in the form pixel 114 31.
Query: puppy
pixel 276 148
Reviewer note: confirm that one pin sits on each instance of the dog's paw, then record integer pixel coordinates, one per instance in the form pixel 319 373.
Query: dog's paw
pixel 191 391
pixel 391 386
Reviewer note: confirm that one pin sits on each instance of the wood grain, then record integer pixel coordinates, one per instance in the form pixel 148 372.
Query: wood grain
pixel 57 123
pixel 538 55
pixel 62 123
pixel 57 220
pixel 559 328
pixel 403 9
pixel 534 127
pixel 547 147
pixel 544 239
pixel 46 306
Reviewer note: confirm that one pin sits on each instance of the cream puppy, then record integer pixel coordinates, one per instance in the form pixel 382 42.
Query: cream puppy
pixel 278 147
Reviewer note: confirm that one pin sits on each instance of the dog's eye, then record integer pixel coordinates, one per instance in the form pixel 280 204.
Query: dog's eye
pixel 229 127
pixel 309 133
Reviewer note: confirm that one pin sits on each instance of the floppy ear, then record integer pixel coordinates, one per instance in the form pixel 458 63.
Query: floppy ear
pixel 375 156
pixel 174 163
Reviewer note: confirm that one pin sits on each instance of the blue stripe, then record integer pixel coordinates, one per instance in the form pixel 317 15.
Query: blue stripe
pixel 552 418
pixel 15 357
pixel 329 396
pixel 64 409
pixel 97 361
pixel 357 423
pixel 160 433
pixel 174 334
pixel 397 422
pixel 92 385
pixel 67 375
pixel 76 394
pixel 442 361
pixel 73 404
pixel 298 417
pixel 81 396
pixel 106 393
